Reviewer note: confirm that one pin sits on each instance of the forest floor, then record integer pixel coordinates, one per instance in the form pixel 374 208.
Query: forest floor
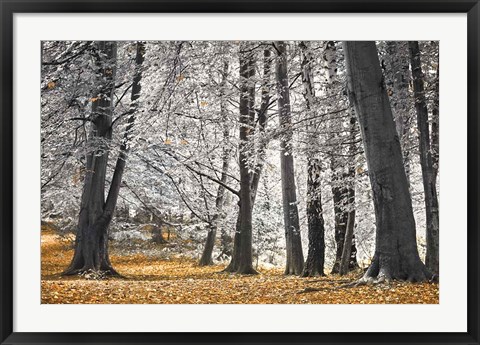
pixel 176 281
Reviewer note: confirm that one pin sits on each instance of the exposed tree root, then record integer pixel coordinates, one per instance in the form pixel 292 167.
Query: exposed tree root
pixel 311 273
pixel 240 270
pixel 89 273
pixel 351 284
pixel 364 280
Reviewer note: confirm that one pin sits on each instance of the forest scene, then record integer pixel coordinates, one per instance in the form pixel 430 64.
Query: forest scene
pixel 240 172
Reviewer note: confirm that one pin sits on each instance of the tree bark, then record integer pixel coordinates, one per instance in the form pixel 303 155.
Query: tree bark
pixel 294 264
pixel 96 213
pixel 347 246
pixel 262 121
pixel 259 159
pixel 314 264
pixel 340 197
pixel 242 261
pixel 428 173
pixel 396 254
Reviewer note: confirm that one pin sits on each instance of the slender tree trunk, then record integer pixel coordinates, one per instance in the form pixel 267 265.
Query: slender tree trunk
pixel 348 260
pixel 242 251
pixel 428 174
pixel 294 264
pixel 340 197
pixel 206 258
pixel 343 193
pixel 314 264
pixel 347 246
pixel 396 254
pixel 343 190
pixel 435 128
pixel 96 213
pixel 255 176
pixel 262 122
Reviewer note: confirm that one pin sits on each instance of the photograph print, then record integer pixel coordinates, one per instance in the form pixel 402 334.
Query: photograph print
pixel 239 172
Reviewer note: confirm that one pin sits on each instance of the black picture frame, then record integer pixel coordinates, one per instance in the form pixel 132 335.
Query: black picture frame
pixel 9 8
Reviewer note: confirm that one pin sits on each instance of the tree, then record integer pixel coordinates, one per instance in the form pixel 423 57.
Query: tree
pixel 428 172
pixel 192 119
pixel 435 122
pixel 206 258
pixel 242 252
pixel 396 254
pixel 96 213
pixel 294 264
pixel 314 265
pixel 348 260
pixel 342 164
pixel 251 165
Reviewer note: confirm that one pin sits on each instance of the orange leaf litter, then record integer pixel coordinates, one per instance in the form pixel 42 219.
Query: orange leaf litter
pixel 151 280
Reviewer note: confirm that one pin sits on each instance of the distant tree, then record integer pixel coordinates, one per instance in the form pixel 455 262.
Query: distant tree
pixel 294 264
pixel 396 254
pixel 348 261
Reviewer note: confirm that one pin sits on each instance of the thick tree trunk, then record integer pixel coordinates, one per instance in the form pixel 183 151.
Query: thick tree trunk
pixel 428 174
pixel 314 264
pixel 294 264
pixel 242 262
pixel 91 243
pixel 396 254
pixel 206 258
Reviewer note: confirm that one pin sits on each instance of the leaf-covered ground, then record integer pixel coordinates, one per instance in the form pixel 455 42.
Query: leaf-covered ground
pixel 155 281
